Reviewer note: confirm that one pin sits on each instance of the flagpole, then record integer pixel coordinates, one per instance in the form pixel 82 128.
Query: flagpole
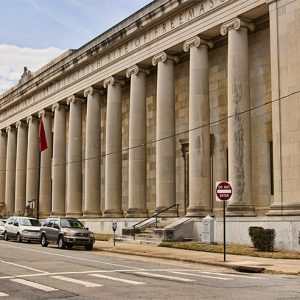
pixel 38 189
pixel 42 146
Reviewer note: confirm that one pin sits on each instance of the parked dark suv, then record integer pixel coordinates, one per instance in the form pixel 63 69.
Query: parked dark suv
pixel 66 232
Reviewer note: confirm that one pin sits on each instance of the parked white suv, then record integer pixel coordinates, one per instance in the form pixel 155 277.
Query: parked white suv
pixel 2 227
pixel 22 229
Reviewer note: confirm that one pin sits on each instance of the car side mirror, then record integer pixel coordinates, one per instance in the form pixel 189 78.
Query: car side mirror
pixel 55 226
pixel 86 228
pixel 16 224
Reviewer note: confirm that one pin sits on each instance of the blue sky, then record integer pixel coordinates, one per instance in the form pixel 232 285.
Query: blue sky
pixel 35 31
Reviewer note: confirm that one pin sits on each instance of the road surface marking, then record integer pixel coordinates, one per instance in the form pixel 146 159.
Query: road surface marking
pixel 21 266
pixel 234 275
pixel 77 281
pixel 72 257
pixel 120 271
pixel 117 279
pixel 3 295
pixel 163 276
pixel 34 285
pixel 199 275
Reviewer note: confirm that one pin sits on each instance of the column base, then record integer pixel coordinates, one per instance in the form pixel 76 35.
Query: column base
pixel 91 214
pixel 57 214
pixel 74 214
pixel 240 211
pixel 44 215
pixel 198 211
pixel 284 210
pixel 112 213
pixel 172 212
pixel 136 213
pixel 19 213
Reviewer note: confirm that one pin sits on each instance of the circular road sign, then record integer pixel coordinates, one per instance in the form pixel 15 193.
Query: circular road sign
pixel 223 190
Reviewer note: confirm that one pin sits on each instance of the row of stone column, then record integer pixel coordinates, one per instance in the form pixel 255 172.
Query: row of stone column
pixel 22 159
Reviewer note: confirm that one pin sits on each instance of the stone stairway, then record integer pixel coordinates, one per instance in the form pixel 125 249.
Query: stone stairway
pixel 145 235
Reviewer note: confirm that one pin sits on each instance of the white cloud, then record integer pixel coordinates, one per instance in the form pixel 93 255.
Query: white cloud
pixel 14 59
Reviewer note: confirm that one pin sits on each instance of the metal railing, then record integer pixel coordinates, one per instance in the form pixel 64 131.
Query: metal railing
pixel 156 216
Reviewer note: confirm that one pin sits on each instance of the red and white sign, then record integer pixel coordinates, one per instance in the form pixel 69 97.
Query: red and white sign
pixel 223 190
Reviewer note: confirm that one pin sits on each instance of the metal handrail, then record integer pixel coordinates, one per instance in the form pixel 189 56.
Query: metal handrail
pixel 155 215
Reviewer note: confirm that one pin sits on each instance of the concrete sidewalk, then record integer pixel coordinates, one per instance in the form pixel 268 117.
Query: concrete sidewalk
pixel 274 266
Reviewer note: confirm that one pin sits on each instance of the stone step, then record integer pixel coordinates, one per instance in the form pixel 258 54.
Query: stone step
pixel 136 241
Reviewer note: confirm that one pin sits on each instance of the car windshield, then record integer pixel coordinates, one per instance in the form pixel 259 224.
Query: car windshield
pixel 29 222
pixel 70 223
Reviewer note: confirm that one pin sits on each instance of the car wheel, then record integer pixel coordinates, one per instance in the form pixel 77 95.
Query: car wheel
pixel 44 242
pixel 19 239
pixel 61 243
pixel 88 247
pixel 5 236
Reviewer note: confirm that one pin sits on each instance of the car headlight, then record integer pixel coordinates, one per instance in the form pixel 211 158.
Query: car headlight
pixel 68 233
pixel 91 234
pixel 24 231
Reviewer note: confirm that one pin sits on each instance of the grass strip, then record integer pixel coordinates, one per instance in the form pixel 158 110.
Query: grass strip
pixel 231 249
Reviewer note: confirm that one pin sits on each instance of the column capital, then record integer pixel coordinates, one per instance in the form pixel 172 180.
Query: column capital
pixel 162 57
pixel 92 90
pixel 42 113
pixel 31 118
pixel 9 128
pixel 111 80
pixel 236 24
pixel 73 99
pixel 20 123
pixel 196 41
pixel 57 106
pixel 135 70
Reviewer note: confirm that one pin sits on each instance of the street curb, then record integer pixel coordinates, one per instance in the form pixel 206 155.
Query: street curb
pixel 205 262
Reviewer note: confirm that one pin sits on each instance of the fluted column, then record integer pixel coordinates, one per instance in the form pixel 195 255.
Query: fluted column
pixel 92 154
pixel 59 160
pixel 45 204
pixel 239 121
pixel 3 150
pixel 10 170
pixel 137 143
pixel 165 131
pixel 113 160
pixel 33 163
pixel 199 129
pixel 74 160
pixel 21 163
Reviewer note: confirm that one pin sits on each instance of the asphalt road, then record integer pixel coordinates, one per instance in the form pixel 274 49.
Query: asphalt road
pixel 28 271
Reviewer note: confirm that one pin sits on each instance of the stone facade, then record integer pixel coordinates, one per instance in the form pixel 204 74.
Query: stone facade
pixel 220 74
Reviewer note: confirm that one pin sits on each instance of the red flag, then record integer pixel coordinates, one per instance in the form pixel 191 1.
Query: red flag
pixel 42 137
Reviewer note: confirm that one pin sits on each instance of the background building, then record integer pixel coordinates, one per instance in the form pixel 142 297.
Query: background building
pixel 154 111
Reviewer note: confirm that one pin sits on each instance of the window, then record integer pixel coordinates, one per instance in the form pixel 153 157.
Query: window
pixel 10 221
pixel 29 222
pixel 50 223
pixel 71 223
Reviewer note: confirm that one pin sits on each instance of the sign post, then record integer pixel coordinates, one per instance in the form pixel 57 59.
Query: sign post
pixel 223 194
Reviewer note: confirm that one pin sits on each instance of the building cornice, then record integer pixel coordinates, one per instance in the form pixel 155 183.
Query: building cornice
pixel 92 68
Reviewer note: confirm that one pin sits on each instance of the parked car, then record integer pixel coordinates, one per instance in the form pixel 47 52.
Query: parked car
pixel 66 232
pixel 22 229
pixel 2 227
